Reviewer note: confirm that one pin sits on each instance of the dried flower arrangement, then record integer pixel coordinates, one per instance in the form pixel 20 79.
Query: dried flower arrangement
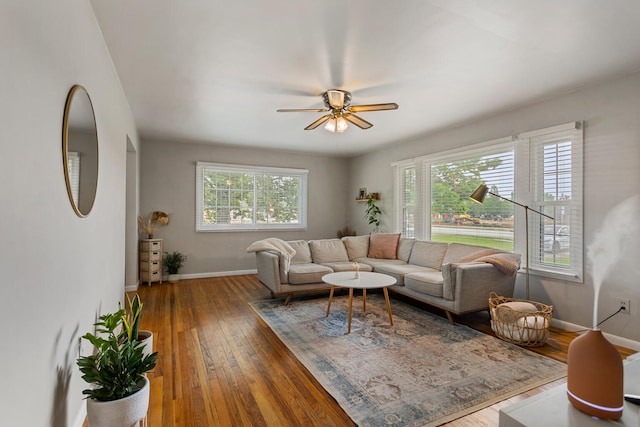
pixel 153 223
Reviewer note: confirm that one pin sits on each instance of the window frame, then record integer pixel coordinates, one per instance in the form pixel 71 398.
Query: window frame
pixel 525 190
pixel 300 174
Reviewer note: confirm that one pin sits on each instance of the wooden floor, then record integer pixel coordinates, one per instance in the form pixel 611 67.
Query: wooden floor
pixel 220 365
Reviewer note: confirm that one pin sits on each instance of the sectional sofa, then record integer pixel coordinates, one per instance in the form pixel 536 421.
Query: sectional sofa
pixel 457 278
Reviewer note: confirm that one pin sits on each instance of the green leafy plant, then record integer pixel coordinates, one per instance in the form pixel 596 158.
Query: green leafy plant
pixel 173 261
pixel 373 212
pixel 118 364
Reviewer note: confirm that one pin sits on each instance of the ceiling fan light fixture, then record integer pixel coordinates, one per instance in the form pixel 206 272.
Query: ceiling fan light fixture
pixel 341 124
pixel 331 126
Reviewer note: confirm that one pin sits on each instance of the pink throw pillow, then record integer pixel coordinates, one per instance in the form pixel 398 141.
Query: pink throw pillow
pixel 383 245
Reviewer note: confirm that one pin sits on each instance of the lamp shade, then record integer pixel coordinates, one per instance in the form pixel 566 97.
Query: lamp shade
pixel 480 193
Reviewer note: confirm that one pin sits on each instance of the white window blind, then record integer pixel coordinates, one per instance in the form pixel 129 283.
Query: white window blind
pixel 236 197
pixel 456 218
pixel 73 165
pixel 556 170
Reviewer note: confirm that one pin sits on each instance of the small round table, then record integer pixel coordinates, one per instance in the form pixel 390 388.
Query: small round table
pixel 365 280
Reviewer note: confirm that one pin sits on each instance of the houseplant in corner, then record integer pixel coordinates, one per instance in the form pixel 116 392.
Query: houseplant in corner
pixel 173 261
pixel 119 392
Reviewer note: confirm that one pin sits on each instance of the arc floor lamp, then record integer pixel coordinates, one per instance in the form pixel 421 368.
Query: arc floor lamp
pixel 478 197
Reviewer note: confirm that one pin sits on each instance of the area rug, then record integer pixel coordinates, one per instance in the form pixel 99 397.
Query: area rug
pixel 421 371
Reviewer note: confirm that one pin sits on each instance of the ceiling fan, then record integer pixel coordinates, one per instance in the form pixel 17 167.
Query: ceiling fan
pixel 338 103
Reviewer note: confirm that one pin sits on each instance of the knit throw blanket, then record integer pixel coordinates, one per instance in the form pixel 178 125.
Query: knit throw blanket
pixel 506 262
pixel 274 244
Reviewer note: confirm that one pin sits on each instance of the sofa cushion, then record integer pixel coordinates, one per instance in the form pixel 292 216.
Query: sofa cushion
pixel 399 270
pixel 357 246
pixel 300 274
pixel 428 254
pixel 404 248
pixel 427 282
pixel 384 245
pixel 328 250
pixel 347 266
pixel 303 254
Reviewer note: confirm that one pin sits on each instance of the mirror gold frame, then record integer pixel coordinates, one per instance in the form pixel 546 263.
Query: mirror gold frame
pixel 80 150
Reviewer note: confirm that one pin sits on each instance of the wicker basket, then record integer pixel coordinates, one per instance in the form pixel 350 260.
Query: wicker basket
pixel 519 321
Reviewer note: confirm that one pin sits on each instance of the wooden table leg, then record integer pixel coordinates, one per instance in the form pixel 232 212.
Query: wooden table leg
pixel 386 297
pixel 330 299
pixel 350 310
pixel 364 299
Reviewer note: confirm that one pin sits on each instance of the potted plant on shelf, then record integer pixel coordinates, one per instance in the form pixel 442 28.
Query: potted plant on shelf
pixel 173 261
pixel 373 212
pixel 119 395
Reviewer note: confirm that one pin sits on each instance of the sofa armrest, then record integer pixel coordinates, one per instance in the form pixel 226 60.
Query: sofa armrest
pixel 470 284
pixel 268 264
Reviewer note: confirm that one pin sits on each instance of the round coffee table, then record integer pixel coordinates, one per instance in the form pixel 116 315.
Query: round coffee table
pixel 365 280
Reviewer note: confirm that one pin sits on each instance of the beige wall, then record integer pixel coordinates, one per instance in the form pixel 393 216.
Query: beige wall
pixel 58 270
pixel 611 112
pixel 168 184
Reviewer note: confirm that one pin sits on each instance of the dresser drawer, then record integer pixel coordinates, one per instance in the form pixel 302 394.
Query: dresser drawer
pixel 150 256
pixel 151 245
pixel 147 276
pixel 150 266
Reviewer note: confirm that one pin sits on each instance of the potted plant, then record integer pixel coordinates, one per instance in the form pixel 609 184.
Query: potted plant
pixel 173 262
pixel 119 395
pixel 131 323
pixel 373 212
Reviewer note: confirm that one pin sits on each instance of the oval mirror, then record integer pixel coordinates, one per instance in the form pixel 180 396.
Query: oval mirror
pixel 80 150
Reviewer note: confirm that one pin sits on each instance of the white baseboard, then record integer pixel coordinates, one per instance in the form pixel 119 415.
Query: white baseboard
pixel 216 274
pixel 82 414
pixel 613 339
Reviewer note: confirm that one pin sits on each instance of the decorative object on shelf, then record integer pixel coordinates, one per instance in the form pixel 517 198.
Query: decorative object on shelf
pixel 173 262
pixel 594 367
pixel 119 392
pixel 153 223
pixel 150 260
pixel 362 194
pixel 535 319
pixel 373 212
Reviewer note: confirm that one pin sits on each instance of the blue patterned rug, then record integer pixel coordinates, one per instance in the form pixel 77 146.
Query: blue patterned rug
pixel 420 372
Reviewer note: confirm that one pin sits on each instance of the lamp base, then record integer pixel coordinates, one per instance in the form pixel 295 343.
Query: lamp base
pixel 595 376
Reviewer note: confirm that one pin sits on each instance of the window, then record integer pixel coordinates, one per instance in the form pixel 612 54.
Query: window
pixel 73 165
pixel 235 198
pixel 541 169
pixel 556 170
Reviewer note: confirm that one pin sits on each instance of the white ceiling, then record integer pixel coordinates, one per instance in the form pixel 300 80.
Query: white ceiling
pixel 216 71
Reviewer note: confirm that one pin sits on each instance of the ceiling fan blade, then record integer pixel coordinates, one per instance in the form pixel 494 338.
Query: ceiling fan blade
pixel 373 107
pixel 336 98
pixel 302 110
pixel 318 122
pixel 358 121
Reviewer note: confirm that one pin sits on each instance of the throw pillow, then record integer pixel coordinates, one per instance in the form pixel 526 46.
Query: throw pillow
pixel 383 245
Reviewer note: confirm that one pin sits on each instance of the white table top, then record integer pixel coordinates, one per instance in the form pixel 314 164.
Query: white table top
pixel 367 280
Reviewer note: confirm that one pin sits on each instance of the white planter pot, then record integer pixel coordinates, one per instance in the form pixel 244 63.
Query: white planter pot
pixel 125 412
pixel 173 278
pixel 146 337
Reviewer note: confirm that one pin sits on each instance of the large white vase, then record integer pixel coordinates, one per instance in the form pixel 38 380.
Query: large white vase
pixel 126 412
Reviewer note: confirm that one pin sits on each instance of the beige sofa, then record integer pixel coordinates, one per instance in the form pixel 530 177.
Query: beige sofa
pixel 454 277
